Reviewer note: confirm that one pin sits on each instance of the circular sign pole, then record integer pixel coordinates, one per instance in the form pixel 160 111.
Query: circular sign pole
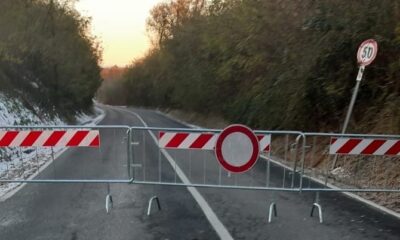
pixel 365 56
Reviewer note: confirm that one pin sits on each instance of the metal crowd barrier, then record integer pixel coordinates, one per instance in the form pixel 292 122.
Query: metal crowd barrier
pixel 191 152
pixel 29 155
pixel 350 163
pixel 185 157
pixel 348 160
pixel 296 161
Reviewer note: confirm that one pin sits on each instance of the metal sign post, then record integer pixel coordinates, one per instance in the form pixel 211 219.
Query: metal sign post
pixel 353 98
pixel 365 55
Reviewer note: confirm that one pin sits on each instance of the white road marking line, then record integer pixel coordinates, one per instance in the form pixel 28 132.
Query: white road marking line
pixel 219 228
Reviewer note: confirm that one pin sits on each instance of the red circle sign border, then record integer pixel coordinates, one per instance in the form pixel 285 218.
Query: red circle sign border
pixel 375 44
pixel 254 156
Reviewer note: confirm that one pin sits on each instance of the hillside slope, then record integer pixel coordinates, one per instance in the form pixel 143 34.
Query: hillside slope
pixel 21 163
pixel 270 64
pixel 48 58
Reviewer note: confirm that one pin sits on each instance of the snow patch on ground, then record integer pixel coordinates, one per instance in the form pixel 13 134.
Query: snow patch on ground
pixel 22 163
pixel 91 120
pixel 340 172
pixel 13 112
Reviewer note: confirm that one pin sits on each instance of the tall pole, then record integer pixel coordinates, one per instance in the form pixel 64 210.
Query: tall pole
pixel 365 55
pixel 353 98
pixel 351 106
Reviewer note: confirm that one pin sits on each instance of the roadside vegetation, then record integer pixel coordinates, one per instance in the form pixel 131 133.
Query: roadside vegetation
pixel 276 65
pixel 48 59
pixel 270 64
pixel 112 86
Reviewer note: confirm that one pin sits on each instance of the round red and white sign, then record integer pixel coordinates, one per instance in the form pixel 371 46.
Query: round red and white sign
pixel 237 148
pixel 367 52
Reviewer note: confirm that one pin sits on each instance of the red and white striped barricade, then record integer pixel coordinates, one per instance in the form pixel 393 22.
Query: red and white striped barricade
pixel 364 146
pixel 201 141
pixel 26 151
pixel 353 162
pixel 50 138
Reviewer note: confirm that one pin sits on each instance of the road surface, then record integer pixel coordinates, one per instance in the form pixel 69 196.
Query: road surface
pixel 77 211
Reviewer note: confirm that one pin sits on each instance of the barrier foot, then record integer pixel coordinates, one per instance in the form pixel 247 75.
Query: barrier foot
pixel 151 204
pixel 272 210
pixel 316 205
pixel 109 203
pixel 109 200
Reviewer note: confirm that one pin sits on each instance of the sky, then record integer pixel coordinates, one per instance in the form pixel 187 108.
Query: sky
pixel 120 25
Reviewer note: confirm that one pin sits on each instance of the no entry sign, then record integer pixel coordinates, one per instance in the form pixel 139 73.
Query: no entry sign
pixel 237 148
pixel 367 52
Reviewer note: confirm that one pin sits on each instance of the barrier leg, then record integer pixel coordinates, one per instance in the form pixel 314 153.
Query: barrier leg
pixel 109 203
pixel 109 200
pixel 317 205
pixel 151 204
pixel 272 210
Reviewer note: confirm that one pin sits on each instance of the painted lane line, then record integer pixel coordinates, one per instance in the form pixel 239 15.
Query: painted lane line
pixel 219 228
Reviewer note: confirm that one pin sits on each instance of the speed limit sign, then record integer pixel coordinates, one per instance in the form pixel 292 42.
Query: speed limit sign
pixel 367 52
pixel 365 55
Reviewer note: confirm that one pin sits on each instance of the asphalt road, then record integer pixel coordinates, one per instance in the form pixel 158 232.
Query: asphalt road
pixel 77 211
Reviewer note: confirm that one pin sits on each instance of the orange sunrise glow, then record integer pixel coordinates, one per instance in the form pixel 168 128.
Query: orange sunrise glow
pixel 120 26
